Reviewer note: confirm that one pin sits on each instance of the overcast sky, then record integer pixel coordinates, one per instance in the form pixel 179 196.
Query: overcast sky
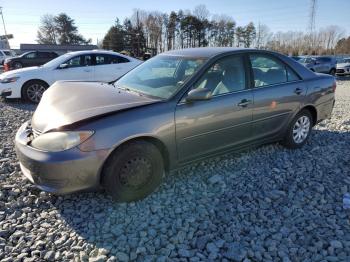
pixel 93 18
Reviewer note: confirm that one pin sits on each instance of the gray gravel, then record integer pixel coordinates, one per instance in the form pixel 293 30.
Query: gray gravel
pixel 265 204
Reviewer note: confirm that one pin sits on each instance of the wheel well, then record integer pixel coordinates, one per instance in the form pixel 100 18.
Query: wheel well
pixel 159 144
pixel 33 80
pixel 313 112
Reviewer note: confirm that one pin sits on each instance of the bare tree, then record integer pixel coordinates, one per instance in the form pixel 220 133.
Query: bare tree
pixel 201 12
pixel 47 30
pixel 263 35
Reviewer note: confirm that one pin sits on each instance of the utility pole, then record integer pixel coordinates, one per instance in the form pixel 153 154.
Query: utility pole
pixel 312 22
pixel 3 22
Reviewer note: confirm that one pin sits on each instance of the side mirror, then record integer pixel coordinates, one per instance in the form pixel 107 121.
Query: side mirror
pixel 198 94
pixel 63 66
pixel 316 62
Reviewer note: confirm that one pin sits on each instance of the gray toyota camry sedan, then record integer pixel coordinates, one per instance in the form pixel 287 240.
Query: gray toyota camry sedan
pixel 175 108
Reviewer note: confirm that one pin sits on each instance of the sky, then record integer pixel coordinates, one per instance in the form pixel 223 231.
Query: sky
pixel 94 18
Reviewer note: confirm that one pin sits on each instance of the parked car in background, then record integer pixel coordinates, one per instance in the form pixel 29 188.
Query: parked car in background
pixel 33 58
pixel 320 64
pixel 177 107
pixel 30 83
pixel 5 54
pixel 343 67
pixel 296 58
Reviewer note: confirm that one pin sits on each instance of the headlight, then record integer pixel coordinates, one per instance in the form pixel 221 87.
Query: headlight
pixel 60 141
pixel 9 79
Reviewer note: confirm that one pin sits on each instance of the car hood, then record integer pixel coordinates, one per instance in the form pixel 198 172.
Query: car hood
pixel 68 102
pixel 342 65
pixel 21 71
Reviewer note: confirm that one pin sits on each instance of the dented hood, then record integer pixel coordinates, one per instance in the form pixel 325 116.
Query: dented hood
pixel 67 102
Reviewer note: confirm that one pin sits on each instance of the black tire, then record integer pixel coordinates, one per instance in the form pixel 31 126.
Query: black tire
pixel 332 72
pixel 133 171
pixel 32 91
pixel 290 140
pixel 17 65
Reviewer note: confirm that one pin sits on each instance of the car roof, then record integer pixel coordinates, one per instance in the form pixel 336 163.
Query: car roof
pixel 204 52
pixel 92 51
pixel 99 52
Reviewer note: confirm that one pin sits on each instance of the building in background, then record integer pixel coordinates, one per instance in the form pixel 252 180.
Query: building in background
pixel 4 44
pixel 59 49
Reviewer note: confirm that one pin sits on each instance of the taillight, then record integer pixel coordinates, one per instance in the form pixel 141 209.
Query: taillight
pixel 334 86
pixel 6 67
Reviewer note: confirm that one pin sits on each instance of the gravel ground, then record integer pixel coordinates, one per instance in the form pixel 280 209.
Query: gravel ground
pixel 265 204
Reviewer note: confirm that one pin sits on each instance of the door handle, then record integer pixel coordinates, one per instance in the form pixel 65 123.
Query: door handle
pixel 298 91
pixel 244 103
pixel 87 70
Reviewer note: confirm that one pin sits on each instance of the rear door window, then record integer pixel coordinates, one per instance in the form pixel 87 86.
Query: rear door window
pixel 268 70
pixel 43 55
pixel 106 59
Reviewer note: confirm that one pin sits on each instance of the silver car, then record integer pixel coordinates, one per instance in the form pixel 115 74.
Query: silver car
pixel 343 67
pixel 178 107
pixel 320 64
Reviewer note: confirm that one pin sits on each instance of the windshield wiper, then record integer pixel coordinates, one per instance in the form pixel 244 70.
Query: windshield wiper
pixel 128 89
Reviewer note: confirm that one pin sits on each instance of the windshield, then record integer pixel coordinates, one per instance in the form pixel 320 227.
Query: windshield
pixel 306 60
pixel 26 53
pixel 344 60
pixel 9 53
pixel 57 61
pixel 161 76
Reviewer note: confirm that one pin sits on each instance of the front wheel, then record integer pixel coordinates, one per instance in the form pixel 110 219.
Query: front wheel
pixel 32 91
pixel 332 72
pixel 299 130
pixel 17 65
pixel 133 171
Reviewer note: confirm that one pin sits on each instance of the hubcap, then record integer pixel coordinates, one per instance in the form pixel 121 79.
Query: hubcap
pixel 136 172
pixel 301 129
pixel 18 65
pixel 35 92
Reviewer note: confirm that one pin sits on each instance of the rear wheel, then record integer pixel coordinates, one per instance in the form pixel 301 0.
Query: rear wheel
pixel 299 130
pixel 133 171
pixel 32 91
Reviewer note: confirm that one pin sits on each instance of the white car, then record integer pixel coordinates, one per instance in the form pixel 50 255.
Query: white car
pixel 5 53
pixel 96 65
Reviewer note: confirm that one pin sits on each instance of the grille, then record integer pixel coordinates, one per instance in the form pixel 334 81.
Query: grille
pixel 340 71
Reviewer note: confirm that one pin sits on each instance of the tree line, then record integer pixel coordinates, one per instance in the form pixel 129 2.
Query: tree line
pixel 59 30
pixel 155 32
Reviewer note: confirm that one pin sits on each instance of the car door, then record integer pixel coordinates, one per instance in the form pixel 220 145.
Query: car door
pixel 110 67
pixel 203 127
pixel 278 93
pixel 76 68
pixel 29 59
pixel 320 65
